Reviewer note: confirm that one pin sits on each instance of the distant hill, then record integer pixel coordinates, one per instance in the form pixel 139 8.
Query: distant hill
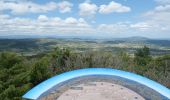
pixel 137 38
pixel 133 38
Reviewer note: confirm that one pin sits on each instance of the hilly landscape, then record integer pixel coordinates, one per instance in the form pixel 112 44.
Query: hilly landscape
pixel 33 46
pixel 40 39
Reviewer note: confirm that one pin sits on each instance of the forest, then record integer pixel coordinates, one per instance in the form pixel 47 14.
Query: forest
pixel 19 73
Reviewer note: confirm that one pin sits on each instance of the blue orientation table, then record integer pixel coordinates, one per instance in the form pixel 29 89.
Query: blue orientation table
pixel 38 90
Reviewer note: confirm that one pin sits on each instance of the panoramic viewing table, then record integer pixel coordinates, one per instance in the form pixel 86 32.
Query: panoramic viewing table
pixel 98 83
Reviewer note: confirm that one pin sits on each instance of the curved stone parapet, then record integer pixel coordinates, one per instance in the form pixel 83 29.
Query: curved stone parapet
pixel 45 86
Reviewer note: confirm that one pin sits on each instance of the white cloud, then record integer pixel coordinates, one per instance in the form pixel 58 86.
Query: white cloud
pixel 43 25
pixel 114 28
pixel 25 7
pixel 162 8
pixel 71 20
pixel 65 6
pixel 55 25
pixel 159 17
pixel 163 1
pixel 156 20
pixel 42 18
pixel 3 16
pixel 142 26
pixel 113 7
pixel 87 8
pixel 22 7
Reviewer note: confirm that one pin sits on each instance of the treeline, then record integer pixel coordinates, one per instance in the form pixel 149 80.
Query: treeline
pixel 18 73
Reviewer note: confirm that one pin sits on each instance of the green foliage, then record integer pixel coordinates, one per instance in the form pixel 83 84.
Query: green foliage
pixel 40 71
pixel 8 59
pixel 18 73
pixel 142 56
pixel 58 59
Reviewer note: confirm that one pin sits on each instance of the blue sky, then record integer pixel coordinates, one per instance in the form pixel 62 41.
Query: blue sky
pixel 104 18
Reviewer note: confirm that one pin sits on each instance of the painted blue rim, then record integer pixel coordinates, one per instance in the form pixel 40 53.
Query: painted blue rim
pixel 38 90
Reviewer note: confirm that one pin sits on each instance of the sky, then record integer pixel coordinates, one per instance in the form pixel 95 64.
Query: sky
pixel 96 18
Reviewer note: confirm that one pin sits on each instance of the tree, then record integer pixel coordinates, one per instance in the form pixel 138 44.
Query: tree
pixel 142 56
pixel 59 58
pixel 40 71
pixel 9 93
pixel 9 59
